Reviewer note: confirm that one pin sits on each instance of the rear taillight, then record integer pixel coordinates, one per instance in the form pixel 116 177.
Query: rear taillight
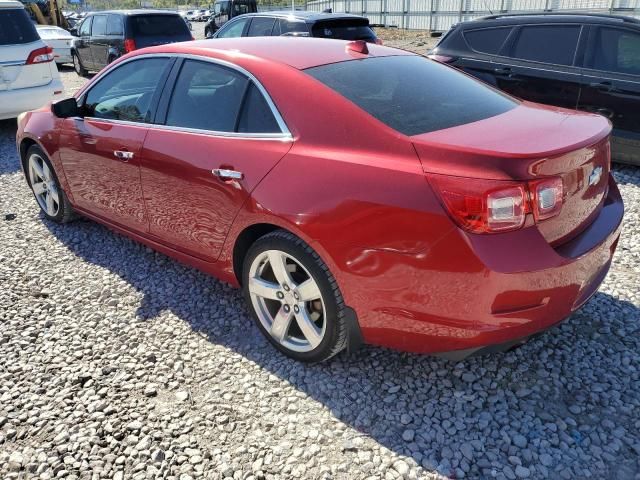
pixel 491 206
pixel 129 45
pixel 41 55
pixel 441 58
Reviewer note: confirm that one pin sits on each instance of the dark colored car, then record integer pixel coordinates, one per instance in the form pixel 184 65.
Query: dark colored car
pixel 585 61
pixel 357 206
pixel 340 26
pixel 225 10
pixel 105 36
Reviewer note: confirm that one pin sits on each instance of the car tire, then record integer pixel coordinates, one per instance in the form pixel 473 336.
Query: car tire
pixel 77 65
pixel 301 311
pixel 46 188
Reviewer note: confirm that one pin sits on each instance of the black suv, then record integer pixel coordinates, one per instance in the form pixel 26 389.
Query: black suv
pixel 586 61
pixel 299 23
pixel 104 36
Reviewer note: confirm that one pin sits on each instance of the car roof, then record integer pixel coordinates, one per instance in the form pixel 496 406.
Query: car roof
pixel 140 11
pixel 297 52
pixel 10 4
pixel 551 17
pixel 304 15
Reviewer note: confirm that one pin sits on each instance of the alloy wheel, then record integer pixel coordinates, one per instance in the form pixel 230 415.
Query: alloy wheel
pixel 287 301
pixel 44 185
pixel 76 64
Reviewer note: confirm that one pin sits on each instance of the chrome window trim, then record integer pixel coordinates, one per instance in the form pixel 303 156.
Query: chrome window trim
pixel 285 133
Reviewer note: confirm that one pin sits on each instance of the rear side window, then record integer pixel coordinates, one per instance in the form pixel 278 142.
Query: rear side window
pixel 616 50
pixel 412 94
pixel 16 27
pixel 284 27
pixel 488 40
pixel 261 27
pixel 206 97
pixel 99 25
pixel 256 116
pixel 159 26
pixel 554 44
pixel 126 92
pixel 114 25
pixel 352 29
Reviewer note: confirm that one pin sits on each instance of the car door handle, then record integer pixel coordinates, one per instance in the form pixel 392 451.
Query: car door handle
pixel 502 71
pixel 602 86
pixel 227 174
pixel 123 155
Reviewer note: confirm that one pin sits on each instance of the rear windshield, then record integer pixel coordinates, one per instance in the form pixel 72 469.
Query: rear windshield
pixel 159 26
pixel 16 27
pixel 411 94
pixel 348 29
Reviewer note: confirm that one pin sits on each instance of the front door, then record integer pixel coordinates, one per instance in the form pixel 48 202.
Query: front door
pixel 212 150
pixel 83 43
pixel 100 151
pixel 611 86
pixel 99 41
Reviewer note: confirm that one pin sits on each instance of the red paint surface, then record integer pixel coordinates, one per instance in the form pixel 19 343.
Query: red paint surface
pixel 357 192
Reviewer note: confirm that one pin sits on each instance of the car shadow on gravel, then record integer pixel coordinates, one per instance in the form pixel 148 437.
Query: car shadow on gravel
pixel 472 417
pixel 8 156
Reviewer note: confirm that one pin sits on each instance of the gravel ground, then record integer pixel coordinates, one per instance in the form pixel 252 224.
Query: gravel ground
pixel 117 362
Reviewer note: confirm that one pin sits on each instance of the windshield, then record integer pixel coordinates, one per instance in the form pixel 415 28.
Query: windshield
pixel 411 94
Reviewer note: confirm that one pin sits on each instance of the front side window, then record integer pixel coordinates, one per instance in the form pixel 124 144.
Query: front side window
pixel 99 25
pixel 233 30
pixel 261 27
pixel 554 44
pixel 222 8
pixel 16 27
pixel 85 28
pixel 126 92
pixel 487 40
pixel 411 94
pixel 616 50
pixel 114 25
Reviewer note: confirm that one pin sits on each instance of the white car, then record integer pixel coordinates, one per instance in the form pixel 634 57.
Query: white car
pixel 192 15
pixel 59 40
pixel 29 78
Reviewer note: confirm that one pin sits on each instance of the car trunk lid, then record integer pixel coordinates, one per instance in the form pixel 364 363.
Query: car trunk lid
pixel 530 142
pixel 16 74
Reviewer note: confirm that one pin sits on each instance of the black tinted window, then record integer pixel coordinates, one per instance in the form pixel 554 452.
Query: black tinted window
pixel 343 30
pixel 412 94
pixel 548 44
pixel 159 26
pixel 617 51
pixel 284 27
pixel 99 25
pixel 488 40
pixel 16 27
pixel 256 116
pixel 261 27
pixel 114 25
pixel 206 97
pixel 126 92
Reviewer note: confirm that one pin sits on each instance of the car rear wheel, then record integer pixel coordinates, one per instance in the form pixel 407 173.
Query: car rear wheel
pixel 293 298
pixel 46 188
pixel 77 65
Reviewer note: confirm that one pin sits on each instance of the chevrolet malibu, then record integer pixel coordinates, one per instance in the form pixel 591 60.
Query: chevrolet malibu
pixel 356 193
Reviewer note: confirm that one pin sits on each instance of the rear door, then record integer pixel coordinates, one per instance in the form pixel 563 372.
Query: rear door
pixel 217 137
pixel 611 86
pixel 83 43
pixel 539 64
pixel 148 30
pixel 99 43
pixel 18 38
pixel 100 151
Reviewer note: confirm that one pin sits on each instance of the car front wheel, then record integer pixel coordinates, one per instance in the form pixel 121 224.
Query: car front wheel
pixel 77 65
pixel 293 298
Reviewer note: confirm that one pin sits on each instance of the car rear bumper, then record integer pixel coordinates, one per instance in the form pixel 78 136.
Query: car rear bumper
pixel 14 102
pixel 473 291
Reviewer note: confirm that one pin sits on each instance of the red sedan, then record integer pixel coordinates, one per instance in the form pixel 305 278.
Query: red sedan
pixel 355 192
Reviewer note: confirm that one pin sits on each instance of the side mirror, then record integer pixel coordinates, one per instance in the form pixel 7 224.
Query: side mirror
pixel 66 108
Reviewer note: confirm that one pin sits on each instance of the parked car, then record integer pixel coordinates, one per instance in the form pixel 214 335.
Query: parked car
pixel 358 204
pixel 300 23
pixel 28 76
pixel 59 40
pixel 225 10
pixel 201 15
pixel 192 15
pixel 105 36
pixel 585 61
